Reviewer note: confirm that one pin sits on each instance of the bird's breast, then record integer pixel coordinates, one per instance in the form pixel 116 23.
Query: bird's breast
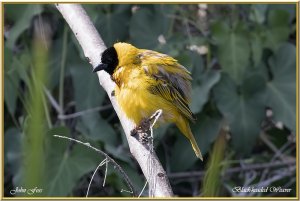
pixel 136 101
pixel 132 95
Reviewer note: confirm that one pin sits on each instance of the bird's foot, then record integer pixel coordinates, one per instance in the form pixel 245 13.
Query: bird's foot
pixel 144 138
pixel 143 131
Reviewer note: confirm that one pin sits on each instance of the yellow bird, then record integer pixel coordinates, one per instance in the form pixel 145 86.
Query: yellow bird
pixel 147 81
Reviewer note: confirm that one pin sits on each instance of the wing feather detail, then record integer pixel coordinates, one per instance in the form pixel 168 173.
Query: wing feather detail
pixel 168 79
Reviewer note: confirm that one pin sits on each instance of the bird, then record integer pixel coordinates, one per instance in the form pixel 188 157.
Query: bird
pixel 146 81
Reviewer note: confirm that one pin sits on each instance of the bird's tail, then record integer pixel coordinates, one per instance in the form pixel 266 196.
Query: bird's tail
pixel 184 127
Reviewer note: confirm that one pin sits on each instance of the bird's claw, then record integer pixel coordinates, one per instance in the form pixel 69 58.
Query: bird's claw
pixel 143 130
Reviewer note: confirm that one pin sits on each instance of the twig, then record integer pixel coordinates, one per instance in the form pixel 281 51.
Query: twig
pixel 62 72
pixel 100 164
pixel 93 46
pixel 61 114
pixel 250 177
pixel 52 101
pixel 189 21
pixel 278 176
pixel 123 190
pixel 126 178
pixel 277 153
pixel 155 117
pixel 282 148
pixel 143 189
pixel 105 174
pixel 152 177
pixel 84 112
pixel 265 139
pixel 197 174
pixel 272 180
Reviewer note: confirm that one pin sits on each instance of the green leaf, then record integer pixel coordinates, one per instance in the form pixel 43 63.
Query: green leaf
pixel 281 91
pixel 205 130
pixel 55 56
pixel 16 66
pixel 9 58
pixel 66 165
pixel 113 27
pixel 256 48
pixel 278 18
pixel 63 131
pixel 23 23
pixel 94 127
pixel 203 80
pixel 118 153
pixel 119 8
pixel 159 133
pixel 11 93
pixel 258 13
pixel 13 149
pixel 13 154
pixel 22 64
pixel 196 67
pixel 185 59
pixel 14 12
pixel 89 94
pixel 175 48
pixel 93 10
pixel 278 29
pixel 11 81
pixel 220 31
pixel 200 92
pixel 274 37
pixel 233 51
pixel 147 25
pixel 136 177
pixel 290 8
pixel 243 111
pixel 254 82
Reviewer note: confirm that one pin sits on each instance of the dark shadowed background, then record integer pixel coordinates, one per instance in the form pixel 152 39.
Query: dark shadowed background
pixel 242 59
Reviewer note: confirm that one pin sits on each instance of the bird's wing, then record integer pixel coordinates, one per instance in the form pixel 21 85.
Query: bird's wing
pixel 170 80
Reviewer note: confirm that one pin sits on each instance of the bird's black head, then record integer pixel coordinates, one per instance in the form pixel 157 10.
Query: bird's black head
pixel 109 61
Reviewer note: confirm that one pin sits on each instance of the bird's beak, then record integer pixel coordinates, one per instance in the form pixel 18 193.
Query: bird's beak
pixel 100 67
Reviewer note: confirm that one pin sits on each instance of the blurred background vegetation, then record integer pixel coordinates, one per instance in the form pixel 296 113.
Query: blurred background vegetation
pixel 243 62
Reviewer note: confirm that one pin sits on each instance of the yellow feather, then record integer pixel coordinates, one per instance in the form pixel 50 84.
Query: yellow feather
pixel 148 81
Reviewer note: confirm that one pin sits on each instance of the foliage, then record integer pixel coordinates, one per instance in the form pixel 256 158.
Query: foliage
pixel 211 181
pixel 242 59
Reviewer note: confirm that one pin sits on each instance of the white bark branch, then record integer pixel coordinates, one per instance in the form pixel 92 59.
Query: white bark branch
pixel 93 46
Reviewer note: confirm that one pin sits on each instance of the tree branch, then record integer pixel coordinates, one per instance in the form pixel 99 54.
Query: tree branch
pixel 93 46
